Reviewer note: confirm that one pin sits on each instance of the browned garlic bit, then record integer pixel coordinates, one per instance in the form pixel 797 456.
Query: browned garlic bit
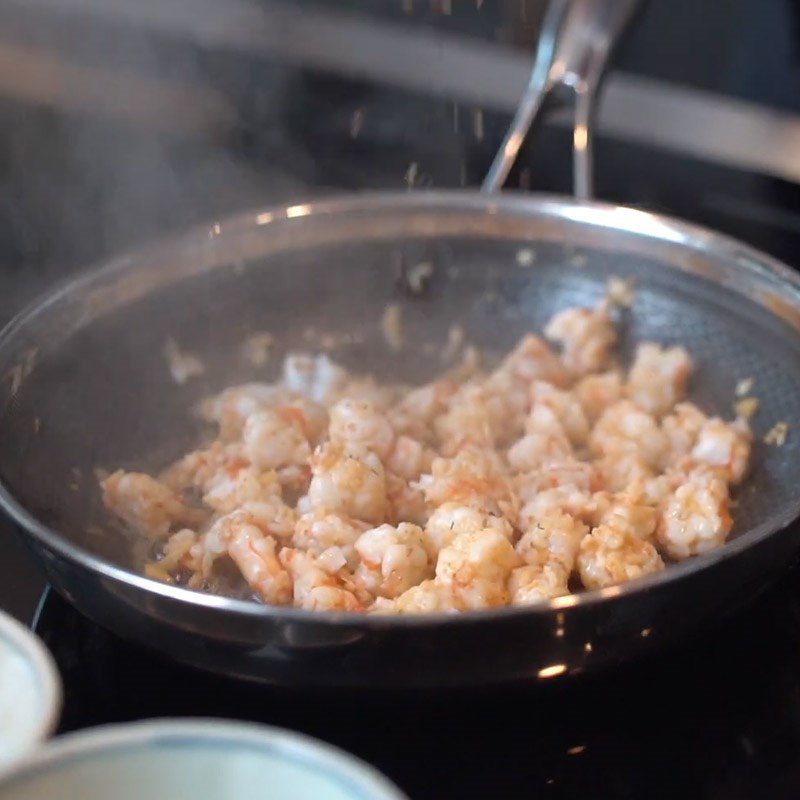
pixel 328 491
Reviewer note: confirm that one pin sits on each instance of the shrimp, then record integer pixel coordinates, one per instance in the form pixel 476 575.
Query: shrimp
pixel 695 519
pixel 682 427
pixel 473 477
pixel 409 458
pixel 275 438
pixel 630 512
pixel 563 407
pixel 318 532
pixel 252 550
pixel 597 392
pixel 415 413
pixel 176 556
pixel 625 428
pixel 531 584
pixel 147 505
pixel 198 469
pixel 475 567
pixel 586 336
pixel 231 408
pixel 610 555
pixel 315 589
pixel 532 359
pixel 553 539
pixel 575 502
pixel 348 480
pixel 657 379
pixel 393 559
pixel 471 420
pixel 405 500
pixel 236 485
pixel 427 597
pixel 451 519
pixel 538 448
pixel 567 472
pixel 359 423
pixel 725 446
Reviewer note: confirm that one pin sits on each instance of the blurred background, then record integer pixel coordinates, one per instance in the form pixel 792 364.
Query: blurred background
pixel 121 121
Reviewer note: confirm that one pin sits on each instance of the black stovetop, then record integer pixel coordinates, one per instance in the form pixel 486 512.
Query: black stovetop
pixel 717 718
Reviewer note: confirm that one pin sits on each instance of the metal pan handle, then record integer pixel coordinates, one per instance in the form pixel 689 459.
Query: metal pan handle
pixel 574 44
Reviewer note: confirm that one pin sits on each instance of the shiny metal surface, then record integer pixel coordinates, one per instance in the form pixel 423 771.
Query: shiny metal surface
pixel 86 363
pixel 574 44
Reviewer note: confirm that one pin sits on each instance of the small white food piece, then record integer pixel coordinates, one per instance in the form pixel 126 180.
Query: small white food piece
pixel 182 366
pixel 610 555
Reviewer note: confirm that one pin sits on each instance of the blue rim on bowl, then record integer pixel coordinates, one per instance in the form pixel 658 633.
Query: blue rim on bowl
pixel 352 778
pixel 37 722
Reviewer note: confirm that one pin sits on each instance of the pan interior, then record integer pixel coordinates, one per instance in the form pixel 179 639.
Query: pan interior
pixel 93 389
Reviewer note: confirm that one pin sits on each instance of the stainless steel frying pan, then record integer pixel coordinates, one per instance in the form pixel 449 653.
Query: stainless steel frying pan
pixel 85 385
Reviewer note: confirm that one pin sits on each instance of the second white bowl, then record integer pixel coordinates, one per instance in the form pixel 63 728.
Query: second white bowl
pixel 190 760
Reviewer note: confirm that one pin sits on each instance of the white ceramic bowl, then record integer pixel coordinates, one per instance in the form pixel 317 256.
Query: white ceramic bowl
pixel 30 691
pixel 193 760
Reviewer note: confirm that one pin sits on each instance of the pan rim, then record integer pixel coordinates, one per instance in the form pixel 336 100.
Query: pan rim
pixel 624 219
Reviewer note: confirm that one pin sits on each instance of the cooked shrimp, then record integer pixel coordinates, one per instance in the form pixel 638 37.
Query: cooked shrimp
pixel 393 559
pixel 724 445
pixel 532 359
pixel 315 589
pixel 236 485
pixel 348 480
pixel 529 584
pixel 567 472
pixel 473 477
pixel 475 567
pixel 427 597
pixel 682 427
pixel 274 438
pixel 405 501
pixel 657 379
pixel 596 393
pixel 231 408
pixel 562 406
pixel 252 550
pixel 317 532
pixel 553 539
pixel 610 555
pixel 625 428
pixel 630 512
pixel 695 519
pixel 575 502
pixel 334 491
pixel 451 519
pixel 147 505
pixel 409 458
pixel 586 336
pixel 359 423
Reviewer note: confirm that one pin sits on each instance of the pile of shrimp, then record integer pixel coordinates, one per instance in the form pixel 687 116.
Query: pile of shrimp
pixel 554 471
